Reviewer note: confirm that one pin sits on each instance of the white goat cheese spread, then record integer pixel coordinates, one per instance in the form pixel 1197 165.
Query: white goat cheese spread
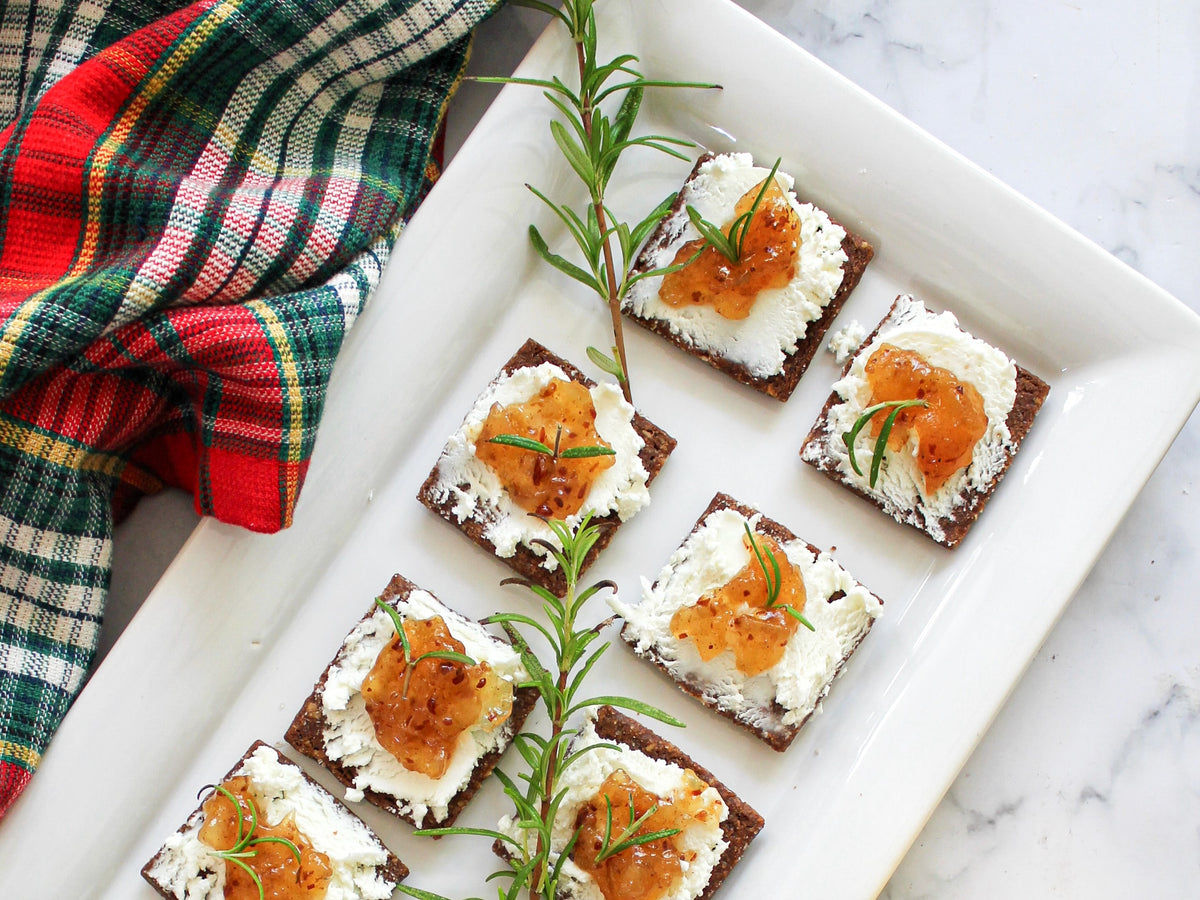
pixel 844 341
pixel 779 318
pixel 708 560
pixel 478 493
pixel 900 488
pixel 583 781
pixel 188 869
pixel 349 733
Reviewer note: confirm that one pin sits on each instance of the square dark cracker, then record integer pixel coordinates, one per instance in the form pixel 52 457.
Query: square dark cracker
pixel 1031 394
pixel 780 385
pixel 740 827
pixel 657 447
pixel 392 870
pixel 306 734
pixel 768 724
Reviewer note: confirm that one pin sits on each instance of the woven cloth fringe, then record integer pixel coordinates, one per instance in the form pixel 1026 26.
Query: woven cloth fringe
pixel 195 203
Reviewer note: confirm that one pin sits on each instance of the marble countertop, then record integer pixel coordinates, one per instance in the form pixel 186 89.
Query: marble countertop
pixel 1088 782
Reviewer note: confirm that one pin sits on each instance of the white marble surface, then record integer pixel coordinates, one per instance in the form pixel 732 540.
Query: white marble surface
pixel 1088 783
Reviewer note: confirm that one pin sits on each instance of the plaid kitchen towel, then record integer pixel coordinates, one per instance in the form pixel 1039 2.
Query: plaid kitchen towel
pixel 195 202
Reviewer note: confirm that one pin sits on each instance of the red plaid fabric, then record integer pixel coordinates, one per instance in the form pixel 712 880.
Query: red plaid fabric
pixel 195 202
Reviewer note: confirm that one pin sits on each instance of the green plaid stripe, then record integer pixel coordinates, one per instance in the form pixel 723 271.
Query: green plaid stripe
pixel 53 578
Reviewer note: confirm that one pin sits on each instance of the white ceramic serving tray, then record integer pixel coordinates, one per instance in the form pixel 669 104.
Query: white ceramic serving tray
pixel 233 637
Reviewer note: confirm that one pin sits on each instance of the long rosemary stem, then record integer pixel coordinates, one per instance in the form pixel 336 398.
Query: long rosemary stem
pixel 536 888
pixel 614 301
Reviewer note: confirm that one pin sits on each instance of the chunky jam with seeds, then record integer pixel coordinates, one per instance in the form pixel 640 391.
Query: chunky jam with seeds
pixel 768 260
pixel 947 429
pixel 273 862
pixel 554 488
pixel 420 710
pixel 644 871
pixel 739 616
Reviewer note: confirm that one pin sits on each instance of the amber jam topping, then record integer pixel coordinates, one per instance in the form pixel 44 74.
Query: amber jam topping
pixel 555 488
pixel 420 710
pixel 947 429
pixel 273 862
pixel 645 871
pixel 739 616
pixel 768 260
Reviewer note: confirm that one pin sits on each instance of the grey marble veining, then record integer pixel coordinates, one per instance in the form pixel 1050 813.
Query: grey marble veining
pixel 1088 782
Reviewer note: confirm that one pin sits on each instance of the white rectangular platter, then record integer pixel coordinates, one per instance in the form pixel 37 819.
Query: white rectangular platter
pixel 232 639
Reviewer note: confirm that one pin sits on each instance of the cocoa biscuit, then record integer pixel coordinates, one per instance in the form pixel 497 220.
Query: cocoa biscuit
pixel 157 871
pixel 741 825
pixel 657 447
pixel 767 722
pixel 307 735
pixel 780 385
pixel 1031 392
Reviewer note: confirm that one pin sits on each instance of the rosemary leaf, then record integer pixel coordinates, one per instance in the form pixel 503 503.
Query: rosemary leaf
pixel 516 440
pixel 881 443
pixel 798 616
pixel 417 892
pixel 563 265
pixel 577 157
pixel 458 829
pixel 586 452
pixel 628 112
pixel 659 144
pixel 772 576
pixel 500 618
pixel 849 437
pixel 637 706
pixel 544 7
pixel 749 216
pixel 650 82
pixel 278 840
pixel 606 363
pixel 638 840
pixel 449 655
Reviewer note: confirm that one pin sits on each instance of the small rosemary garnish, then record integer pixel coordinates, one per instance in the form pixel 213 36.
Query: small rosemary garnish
pixel 629 837
pixel 731 243
pixel 537 793
pixel 774 578
pixel 409 662
pixel 555 452
pixel 241 850
pixel 885 432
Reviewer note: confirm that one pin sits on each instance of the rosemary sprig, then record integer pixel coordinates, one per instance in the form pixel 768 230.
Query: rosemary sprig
pixel 241 850
pixel 556 452
pixel 409 662
pixel 537 792
pixel 774 578
pixel 629 837
pixel 592 142
pixel 731 243
pixel 885 432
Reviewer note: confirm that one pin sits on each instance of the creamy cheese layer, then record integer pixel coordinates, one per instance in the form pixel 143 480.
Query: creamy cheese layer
pixel 779 317
pixel 188 869
pixel 900 487
pixel 844 341
pixel 708 560
pixel 349 733
pixel 584 779
pixel 478 494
